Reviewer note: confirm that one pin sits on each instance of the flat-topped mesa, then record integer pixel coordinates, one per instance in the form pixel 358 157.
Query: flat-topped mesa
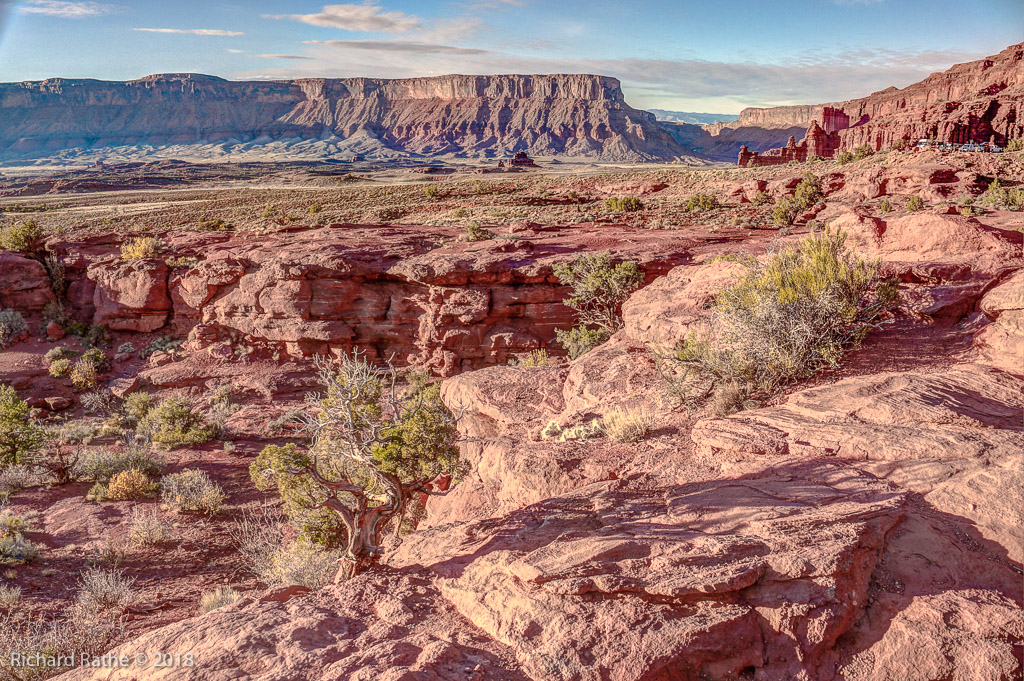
pixel 978 101
pixel 576 115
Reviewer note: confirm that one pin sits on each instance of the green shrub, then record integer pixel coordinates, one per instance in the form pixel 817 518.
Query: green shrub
pixel 14 548
pixel 598 291
pixel 431 191
pixel 315 208
pixel 701 203
pixel 762 199
pixel 789 316
pixel 218 598
pixel 474 232
pixel 101 465
pixel 136 406
pixel 900 144
pixel 915 204
pixel 160 344
pixel 191 490
pixel 172 423
pixel 12 326
pixel 59 352
pixel 19 434
pixel 626 425
pixel 785 212
pixel 60 368
pixel 808 192
pixel 625 204
pixel 844 157
pixel 997 195
pixel 862 152
pixel 1015 144
pixel 885 206
pixel 141 248
pixel 214 225
pixel 21 237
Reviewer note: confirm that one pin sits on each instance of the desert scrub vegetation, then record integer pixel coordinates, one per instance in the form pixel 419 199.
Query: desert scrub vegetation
pixel 14 547
pixel 701 203
pixel 218 598
pixel 275 561
pixel 59 368
pixel 129 484
pixel 625 204
pixel 998 196
pixel 885 206
pixel 862 152
pixel 191 490
pixel 844 157
pixel 21 237
pixel 12 326
pixel 534 358
pixel 598 291
pixel 376 445
pixel 172 423
pixel 141 247
pixel 626 425
pixel 784 212
pixel 581 431
pixel 146 527
pixel 19 434
pixel 762 198
pixel 808 192
pixel 101 465
pixel 1016 144
pixel 790 315
pixel 474 232
pixel 914 204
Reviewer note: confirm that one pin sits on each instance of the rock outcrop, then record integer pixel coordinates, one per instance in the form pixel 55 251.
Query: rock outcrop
pixel 417 293
pixel 24 284
pixel 478 116
pixel 974 102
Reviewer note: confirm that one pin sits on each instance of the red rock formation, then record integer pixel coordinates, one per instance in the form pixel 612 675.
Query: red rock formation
pixel 24 284
pixel 387 289
pixel 979 101
pixel 572 115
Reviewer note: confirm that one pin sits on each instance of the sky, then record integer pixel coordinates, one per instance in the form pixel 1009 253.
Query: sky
pixel 684 55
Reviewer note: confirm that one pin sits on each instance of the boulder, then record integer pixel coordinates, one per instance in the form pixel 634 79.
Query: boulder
pixel 24 284
pixel 1001 343
pixel 131 296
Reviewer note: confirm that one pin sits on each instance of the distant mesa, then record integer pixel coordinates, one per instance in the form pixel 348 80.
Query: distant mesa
pixel 519 160
pixel 203 117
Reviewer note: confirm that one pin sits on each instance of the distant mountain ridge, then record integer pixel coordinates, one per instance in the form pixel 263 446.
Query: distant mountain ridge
pixel 571 115
pixel 692 118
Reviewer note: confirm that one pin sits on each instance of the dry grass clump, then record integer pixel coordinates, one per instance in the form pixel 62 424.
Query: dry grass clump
pixel 146 527
pixel 14 548
pixel 10 596
pixel 626 424
pixel 534 358
pixel 260 539
pixel 218 598
pixel 191 490
pixel 141 247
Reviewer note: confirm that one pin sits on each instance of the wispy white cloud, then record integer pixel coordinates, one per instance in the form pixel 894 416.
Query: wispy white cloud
pixel 191 31
pixel 65 10
pixel 282 56
pixel 407 46
pixel 234 51
pixel 808 78
pixel 365 18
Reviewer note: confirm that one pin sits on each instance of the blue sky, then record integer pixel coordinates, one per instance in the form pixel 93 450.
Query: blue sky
pixel 717 56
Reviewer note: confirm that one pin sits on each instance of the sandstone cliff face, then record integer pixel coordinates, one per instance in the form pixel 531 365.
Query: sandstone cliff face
pixel 969 102
pixel 392 290
pixel 573 115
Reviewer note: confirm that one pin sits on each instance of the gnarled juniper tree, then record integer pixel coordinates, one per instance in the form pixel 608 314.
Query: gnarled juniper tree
pixel 375 448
